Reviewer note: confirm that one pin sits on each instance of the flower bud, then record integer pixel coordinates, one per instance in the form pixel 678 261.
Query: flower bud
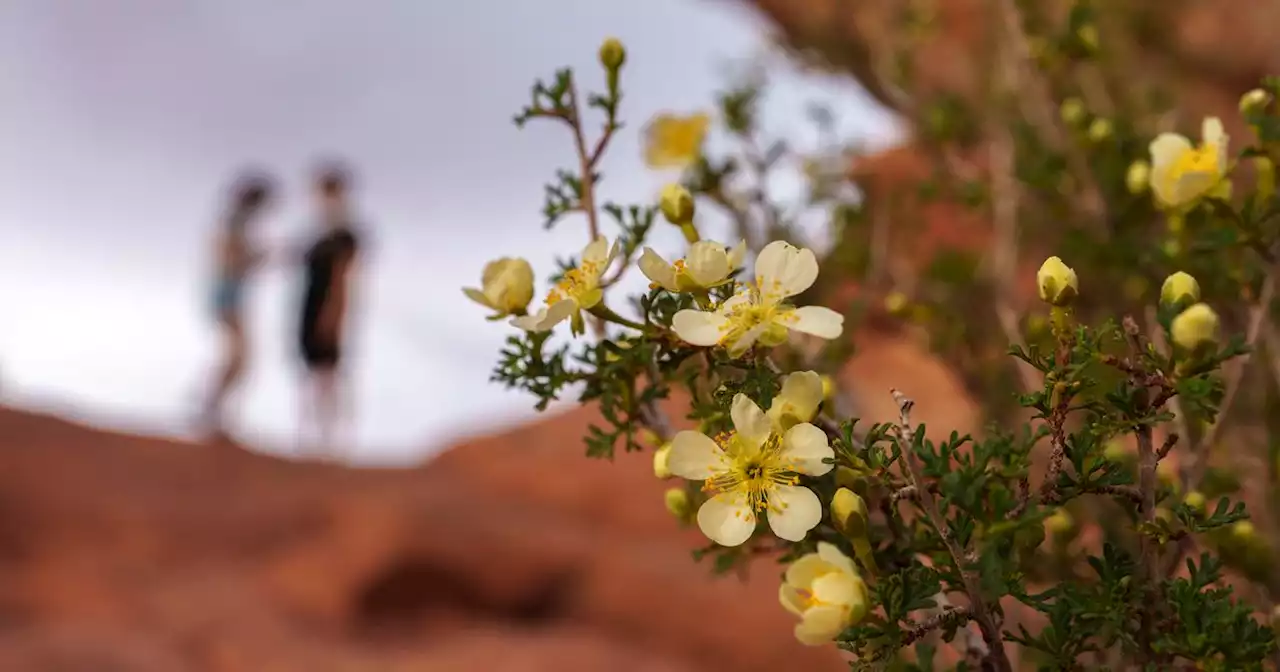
pixel 1266 170
pixel 1195 327
pixel 895 303
pixel 1254 101
pixel 1168 474
pixel 848 478
pixel 1088 36
pixel 1060 522
pixel 1099 130
pixel 1115 451
pixel 677 204
pixel 1138 179
pixel 612 54
pixel 828 388
pixel 1243 530
pixel 506 286
pixel 1073 111
pixel 1196 500
pixel 677 501
pixel 661 461
pixel 1179 289
pixel 849 513
pixel 1057 283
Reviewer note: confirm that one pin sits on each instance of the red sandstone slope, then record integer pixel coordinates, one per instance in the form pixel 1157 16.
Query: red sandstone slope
pixel 513 553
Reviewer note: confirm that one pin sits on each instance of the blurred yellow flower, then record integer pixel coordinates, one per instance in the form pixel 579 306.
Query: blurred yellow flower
pixel 506 286
pixel 672 141
pixel 1181 173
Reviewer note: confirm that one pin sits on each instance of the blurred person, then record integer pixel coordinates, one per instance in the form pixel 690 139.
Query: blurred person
pixel 328 270
pixel 236 257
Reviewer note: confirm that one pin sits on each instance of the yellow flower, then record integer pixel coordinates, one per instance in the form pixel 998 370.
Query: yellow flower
pixel 707 265
pixel 1059 522
pixel 1243 529
pixel 1179 288
pixel 1195 499
pixel 825 591
pixel 751 471
pixel 662 461
pixel 757 312
pixel 828 388
pixel 797 402
pixel 1195 327
pixel 677 204
pixel 1100 129
pixel 612 54
pixel 579 290
pixel 1057 282
pixel 1138 179
pixel 506 285
pixel 672 141
pixel 896 303
pixel 1182 174
pixel 1072 111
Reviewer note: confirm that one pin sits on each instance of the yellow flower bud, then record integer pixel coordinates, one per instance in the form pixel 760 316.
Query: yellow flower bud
pixel 1057 283
pixel 1088 35
pixel 828 388
pixel 612 54
pixel 1266 176
pixel 895 303
pixel 1168 474
pixel 677 501
pixel 1060 522
pixel 661 461
pixel 1254 101
pixel 506 286
pixel 1195 499
pixel 849 513
pixel 1100 129
pixel 677 204
pixel 1179 289
pixel 1243 529
pixel 1115 451
pixel 1073 111
pixel 1195 327
pixel 1138 179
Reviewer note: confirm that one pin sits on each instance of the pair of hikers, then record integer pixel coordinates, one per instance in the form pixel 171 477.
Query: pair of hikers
pixel 328 269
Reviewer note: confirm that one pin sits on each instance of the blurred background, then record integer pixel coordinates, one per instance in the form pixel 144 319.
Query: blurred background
pixel 465 532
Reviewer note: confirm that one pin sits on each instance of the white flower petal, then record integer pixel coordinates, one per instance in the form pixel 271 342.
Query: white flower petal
pixel 727 519
pixel 695 456
pixel 657 269
pixel 478 296
pixel 804 447
pixel 737 254
pixel 834 556
pixel 835 588
pixel 743 342
pixel 752 425
pixel 707 262
pixel 820 625
pixel 800 397
pixel 793 511
pixel 791 599
pixel 1212 131
pixel 696 327
pixel 784 270
pixel 817 321
pixel 545 319
pixel 803 572
pixel 1166 149
pixel 596 251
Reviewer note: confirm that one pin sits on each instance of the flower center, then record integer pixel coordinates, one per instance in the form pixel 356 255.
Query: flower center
pixel 753 474
pixel 750 314
pixel 576 283
pixel 1203 159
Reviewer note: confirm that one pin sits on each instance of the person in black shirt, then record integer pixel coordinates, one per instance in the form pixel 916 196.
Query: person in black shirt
pixel 328 269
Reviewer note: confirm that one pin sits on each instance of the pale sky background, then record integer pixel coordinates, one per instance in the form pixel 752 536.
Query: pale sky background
pixel 123 120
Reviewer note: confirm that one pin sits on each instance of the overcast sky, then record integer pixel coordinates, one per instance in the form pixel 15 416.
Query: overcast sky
pixel 123 119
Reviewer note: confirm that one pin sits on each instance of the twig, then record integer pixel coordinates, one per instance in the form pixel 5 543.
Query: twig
pixel 972 583
pixel 585 162
pixel 1147 461
pixel 944 617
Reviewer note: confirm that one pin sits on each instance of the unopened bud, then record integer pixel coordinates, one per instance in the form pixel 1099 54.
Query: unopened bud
pixel 849 513
pixel 1138 179
pixel 828 388
pixel 677 204
pixel 1057 282
pixel 677 501
pixel 1195 327
pixel 895 303
pixel 1266 170
pixel 1060 522
pixel 1100 129
pixel 1196 500
pixel 1088 36
pixel 1180 288
pixel 1073 111
pixel 848 478
pixel 1168 474
pixel 661 461
pixel 1254 101
pixel 1243 530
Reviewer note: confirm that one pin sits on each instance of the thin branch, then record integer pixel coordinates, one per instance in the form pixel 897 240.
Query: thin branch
pixel 982 614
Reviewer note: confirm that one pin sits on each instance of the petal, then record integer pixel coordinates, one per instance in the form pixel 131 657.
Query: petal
pixel 804 447
pixel 1192 185
pixel 817 321
pixel 803 572
pixel 791 599
pixel 784 270
pixel 707 263
pixel 1166 149
pixel 836 588
pixel 1212 131
pixel 793 511
pixel 752 425
pixel 834 556
pixel 737 254
pixel 696 327
pixel 801 395
pixel 744 341
pixel 695 456
pixel 820 625
pixel 478 296
pixel 726 519
pixel 657 269
pixel 596 250
pixel 548 317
